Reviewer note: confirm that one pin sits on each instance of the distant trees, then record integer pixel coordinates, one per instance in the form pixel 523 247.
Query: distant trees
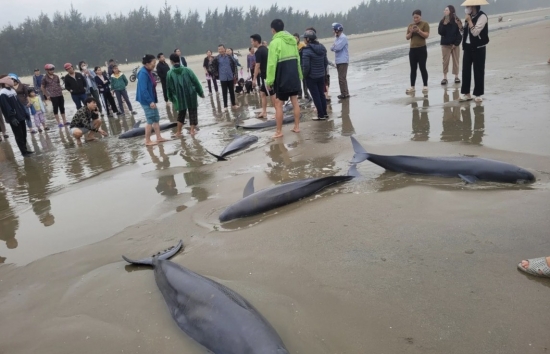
pixel 71 37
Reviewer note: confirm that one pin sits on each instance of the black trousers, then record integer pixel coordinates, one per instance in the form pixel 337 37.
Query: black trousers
pixel 20 134
pixel 164 92
pixel 212 81
pixel 418 58
pixel 475 57
pixel 109 101
pixel 228 86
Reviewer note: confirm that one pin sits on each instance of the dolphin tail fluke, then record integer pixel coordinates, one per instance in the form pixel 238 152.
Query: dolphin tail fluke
pixel 216 156
pixel 360 153
pixel 163 255
pixel 353 171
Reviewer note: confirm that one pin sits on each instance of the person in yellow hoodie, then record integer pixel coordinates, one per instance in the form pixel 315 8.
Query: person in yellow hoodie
pixel 284 74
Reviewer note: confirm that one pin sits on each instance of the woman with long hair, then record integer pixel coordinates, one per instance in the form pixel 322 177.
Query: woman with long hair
pixel 450 28
pixel 417 32
pixel 208 71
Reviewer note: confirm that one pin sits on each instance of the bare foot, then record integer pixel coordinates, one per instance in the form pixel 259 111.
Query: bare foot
pixel 525 263
pixel 192 133
pixel 235 107
pixel 178 135
pixel 296 130
pixel 277 135
pixel 262 116
pixel 150 143
pixel 161 140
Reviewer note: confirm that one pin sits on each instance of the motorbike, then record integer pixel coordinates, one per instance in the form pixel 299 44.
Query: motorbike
pixel 133 77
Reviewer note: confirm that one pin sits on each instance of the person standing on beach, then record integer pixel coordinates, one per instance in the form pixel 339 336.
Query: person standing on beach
pixel 226 70
pixel 182 59
pixel 146 95
pixel 417 33
pixel 118 84
pixel 183 89
pixel 22 91
pixel 92 86
pixel 314 63
pixel 37 82
pixel 284 74
pixel 474 45
pixel 303 89
pixel 209 72
pixel 260 71
pixel 112 63
pixel 449 30
pixel 37 110
pixel 104 86
pixel 14 113
pixel 251 61
pixel 52 90
pixel 162 71
pixel 76 84
pixel 340 48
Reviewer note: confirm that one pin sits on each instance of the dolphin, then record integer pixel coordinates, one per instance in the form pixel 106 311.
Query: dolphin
pixel 469 169
pixel 239 143
pixel 270 198
pixel 212 314
pixel 269 123
pixel 288 105
pixel 139 131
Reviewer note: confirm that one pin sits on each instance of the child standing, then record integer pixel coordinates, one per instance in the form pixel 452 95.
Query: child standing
pixel 183 89
pixel 118 84
pixel 37 110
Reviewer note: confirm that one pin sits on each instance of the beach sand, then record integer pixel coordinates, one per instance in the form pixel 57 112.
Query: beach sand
pixel 388 264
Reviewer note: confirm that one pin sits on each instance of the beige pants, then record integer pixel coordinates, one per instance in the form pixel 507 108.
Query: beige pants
pixel 448 52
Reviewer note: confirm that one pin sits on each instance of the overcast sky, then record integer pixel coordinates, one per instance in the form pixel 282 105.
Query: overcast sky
pixel 15 11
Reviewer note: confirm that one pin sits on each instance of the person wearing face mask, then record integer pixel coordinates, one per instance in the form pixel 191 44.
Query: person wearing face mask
pixel 474 45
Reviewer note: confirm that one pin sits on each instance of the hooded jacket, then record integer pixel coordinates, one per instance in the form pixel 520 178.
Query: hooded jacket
pixel 183 87
pixel 145 93
pixel 11 108
pixel 119 83
pixel 314 60
pixel 284 72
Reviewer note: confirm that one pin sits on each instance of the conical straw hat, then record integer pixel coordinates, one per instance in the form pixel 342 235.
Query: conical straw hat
pixel 474 3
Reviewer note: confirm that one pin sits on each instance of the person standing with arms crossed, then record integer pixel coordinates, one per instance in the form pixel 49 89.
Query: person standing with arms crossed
pixel 284 74
pixel 341 53
pixel 417 33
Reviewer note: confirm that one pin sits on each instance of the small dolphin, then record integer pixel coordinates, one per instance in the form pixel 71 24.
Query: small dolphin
pixel 239 143
pixel 209 312
pixel 140 131
pixel 270 198
pixel 469 169
pixel 269 123
pixel 289 108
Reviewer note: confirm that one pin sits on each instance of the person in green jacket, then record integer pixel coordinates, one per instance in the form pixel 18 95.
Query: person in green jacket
pixel 118 84
pixel 284 74
pixel 183 88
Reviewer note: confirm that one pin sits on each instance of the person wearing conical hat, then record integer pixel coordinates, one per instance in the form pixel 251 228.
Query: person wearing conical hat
pixel 474 45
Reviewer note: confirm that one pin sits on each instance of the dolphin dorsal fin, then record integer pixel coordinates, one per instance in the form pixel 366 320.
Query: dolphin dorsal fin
pixel 249 188
pixel 137 124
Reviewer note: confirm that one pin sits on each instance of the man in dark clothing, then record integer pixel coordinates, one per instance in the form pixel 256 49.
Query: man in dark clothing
pixel 260 71
pixel 226 70
pixel 314 63
pixel 110 67
pixel 14 113
pixel 182 59
pixel 162 71
pixel 76 84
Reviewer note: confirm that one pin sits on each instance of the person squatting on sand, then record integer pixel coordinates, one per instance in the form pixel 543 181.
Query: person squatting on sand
pixel 417 33
pixel 183 87
pixel 450 29
pixel 86 121
pixel 474 45
pixel 284 71
pixel 146 95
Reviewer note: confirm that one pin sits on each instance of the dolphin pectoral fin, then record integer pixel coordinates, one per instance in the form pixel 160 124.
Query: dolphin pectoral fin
pixel 249 188
pixel 468 178
pixel 166 254
pixel 216 156
pixel 360 153
pixel 353 171
pixel 137 124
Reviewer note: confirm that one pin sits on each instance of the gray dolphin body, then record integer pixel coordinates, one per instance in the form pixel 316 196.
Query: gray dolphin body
pixel 254 203
pixel 140 131
pixel 268 123
pixel 211 313
pixel 469 169
pixel 240 142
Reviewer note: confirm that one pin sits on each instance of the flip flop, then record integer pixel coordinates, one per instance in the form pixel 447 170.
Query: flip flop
pixel 444 82
pixel 457 81
pixel 537 267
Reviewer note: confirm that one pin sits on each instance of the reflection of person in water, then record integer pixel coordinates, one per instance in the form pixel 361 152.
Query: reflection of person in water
pixel 347 126
pixel 37 176
pixel 452 125
pixel 420 121
pixel 166 184
pixel 479 124
pixel 9 222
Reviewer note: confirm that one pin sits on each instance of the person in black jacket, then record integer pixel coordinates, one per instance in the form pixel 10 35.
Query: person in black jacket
pixel 162 71
pixel 14 113
pixel 104 87
pixel 314 63
pixel 76 84
pixel 450 29
pixel 182 59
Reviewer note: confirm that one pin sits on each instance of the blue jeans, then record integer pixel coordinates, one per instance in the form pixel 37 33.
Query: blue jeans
pixel 316 88
pixel 80 100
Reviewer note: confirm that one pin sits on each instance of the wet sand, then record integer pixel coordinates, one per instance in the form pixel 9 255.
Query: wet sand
pixel 388 264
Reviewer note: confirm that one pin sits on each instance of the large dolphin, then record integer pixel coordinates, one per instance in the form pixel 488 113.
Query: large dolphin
pixel 270 198
pixel 140 131
pixel 240 142
pixel 469 169
pixel 268 123
pixel 209 312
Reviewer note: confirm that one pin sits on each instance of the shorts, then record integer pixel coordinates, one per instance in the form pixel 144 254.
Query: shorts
pixel 193 116
pixel 284 96
pixel 58 104
pixel 151 114
pixel 261 83
pixel 83 130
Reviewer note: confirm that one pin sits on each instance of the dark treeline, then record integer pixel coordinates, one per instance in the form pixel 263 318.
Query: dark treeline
pixel 71 37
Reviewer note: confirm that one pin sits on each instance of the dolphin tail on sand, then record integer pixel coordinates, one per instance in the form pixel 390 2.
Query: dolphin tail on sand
pixel 166 254
pixel 216 156
pixel 360 153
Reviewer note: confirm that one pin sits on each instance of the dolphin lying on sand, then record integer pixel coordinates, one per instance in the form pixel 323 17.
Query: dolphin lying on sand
pixel 270 198
pixel 211 313
pixel 469 169
pixel 289 108
pixel 239 143
pixel 269 123
pixel 140 131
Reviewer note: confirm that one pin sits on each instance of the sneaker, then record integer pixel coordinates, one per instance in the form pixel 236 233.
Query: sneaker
pixel 465 98
pixel 40 130
pixel 315 118
pixel 479 99
pixel 46 129
pixel 323 118
pixel 326 116
pixel 410 90
pixel 425 89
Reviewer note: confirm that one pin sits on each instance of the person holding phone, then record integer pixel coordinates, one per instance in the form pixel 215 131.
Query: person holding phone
pixel 417 32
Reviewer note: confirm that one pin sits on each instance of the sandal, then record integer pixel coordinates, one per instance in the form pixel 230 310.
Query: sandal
pixel 537 267
pixel 444 82
pixel 457 81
